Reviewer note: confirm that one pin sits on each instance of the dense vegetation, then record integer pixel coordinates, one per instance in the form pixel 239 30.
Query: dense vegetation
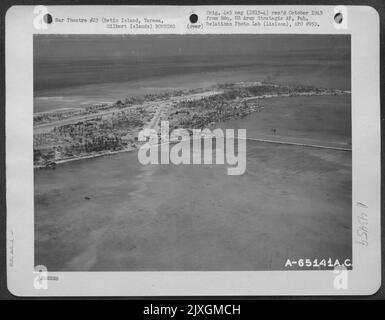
pixel 86 137
pixel 207 111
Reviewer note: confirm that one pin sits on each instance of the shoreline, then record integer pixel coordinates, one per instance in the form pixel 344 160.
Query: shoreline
pixel 91 156
pixel 52 164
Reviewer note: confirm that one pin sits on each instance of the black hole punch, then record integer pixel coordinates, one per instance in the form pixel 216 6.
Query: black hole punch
pixel 338 17
pixel 193 18
pixel 47 18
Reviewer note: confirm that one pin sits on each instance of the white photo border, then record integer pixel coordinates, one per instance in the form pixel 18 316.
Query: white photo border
pixel 364 279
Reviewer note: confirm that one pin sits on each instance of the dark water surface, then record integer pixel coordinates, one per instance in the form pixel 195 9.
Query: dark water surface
pixel 76 71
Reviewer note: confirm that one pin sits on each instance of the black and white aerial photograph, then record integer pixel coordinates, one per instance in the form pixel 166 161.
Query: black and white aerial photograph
pixel 192 152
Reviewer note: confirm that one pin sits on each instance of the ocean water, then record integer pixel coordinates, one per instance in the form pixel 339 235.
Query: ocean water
pixel 70 82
